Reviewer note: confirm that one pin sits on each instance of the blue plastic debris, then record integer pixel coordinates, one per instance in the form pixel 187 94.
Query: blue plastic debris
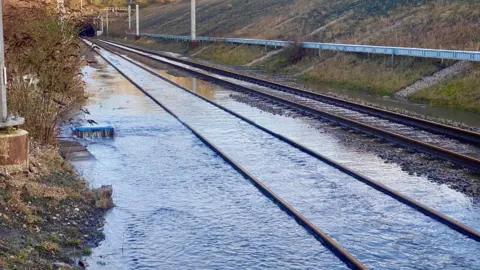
pixel 94 132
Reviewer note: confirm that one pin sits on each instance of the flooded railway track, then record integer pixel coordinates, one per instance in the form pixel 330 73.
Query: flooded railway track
pixel 452 144
pixel 325 239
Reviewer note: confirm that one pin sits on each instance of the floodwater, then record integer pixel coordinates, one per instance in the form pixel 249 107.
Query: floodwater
pixel 179 205
pixel 308 132
pixel 378 230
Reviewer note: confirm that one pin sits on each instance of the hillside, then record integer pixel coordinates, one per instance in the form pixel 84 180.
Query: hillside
pixel 446 24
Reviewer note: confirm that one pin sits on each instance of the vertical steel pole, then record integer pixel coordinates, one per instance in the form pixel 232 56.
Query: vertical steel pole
pixel 138 20
pixel 194 85
pixel 129 17
pixel 81 5
pixel 107 21
pixel 3 73
pixel 193 15
pixel 101 18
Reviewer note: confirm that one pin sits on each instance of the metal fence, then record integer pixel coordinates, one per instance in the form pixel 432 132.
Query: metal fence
pixel 393 51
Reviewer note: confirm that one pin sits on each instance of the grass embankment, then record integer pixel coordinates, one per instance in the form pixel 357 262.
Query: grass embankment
pixel 170 46
pixel 223 53
pixel 446 24
pixel 461 92
pixel 228 54
pixel 375 75
pixel 47 213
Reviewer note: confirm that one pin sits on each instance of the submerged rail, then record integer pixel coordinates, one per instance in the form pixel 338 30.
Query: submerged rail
pixel 455 225
pixel 385 50
pixel 333 246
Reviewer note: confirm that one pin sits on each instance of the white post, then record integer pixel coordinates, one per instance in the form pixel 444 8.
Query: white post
pixel 3 73
pixel 101 18
pixel 107 22
pixel 192 12
pixel 194 85
pixel 129 17
pixel 138 21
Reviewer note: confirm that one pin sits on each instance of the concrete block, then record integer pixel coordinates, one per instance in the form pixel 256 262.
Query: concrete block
pixel 14 148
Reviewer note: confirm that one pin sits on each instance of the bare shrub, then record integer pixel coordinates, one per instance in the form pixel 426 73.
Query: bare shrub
pixel 43 61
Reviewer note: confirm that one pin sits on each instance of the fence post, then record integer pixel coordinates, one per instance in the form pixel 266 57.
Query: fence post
pixel 3 79
pixel 107 21
pixel 193 18
pixel 129 17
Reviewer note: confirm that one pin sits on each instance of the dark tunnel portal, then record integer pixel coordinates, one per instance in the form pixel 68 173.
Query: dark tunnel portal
pixel 87 30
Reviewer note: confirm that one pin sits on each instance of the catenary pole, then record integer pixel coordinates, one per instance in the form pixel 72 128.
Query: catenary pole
pixel 193 18
pixel 138 20
pixel 3 73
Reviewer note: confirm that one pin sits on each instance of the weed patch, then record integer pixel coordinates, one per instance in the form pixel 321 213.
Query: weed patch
pixel 460 92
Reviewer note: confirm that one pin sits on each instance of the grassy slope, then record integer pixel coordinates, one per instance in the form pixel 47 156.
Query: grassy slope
pixel 376 75
pixel 462 92
pixel 448 24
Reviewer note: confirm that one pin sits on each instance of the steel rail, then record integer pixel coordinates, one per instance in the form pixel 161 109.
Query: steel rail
pixel 333 246
pixel 450 131
pixel 446 220
pixel 444 154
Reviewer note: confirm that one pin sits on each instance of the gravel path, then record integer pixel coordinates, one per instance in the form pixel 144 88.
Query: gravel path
pixel 438 77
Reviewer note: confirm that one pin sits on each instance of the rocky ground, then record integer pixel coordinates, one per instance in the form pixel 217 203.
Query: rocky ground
pixel 426 82
pixel 49 218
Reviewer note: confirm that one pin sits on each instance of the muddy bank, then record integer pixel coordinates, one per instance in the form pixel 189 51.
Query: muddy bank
pixel 49 216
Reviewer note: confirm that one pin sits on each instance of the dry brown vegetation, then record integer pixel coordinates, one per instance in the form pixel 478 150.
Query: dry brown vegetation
pixel 447 24
pixel 43 61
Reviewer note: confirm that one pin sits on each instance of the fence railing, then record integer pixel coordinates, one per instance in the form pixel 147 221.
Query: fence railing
pixel 393 51
pixel 116 9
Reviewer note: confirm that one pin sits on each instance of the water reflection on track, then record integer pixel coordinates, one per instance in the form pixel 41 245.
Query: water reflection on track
pixel 178 205
pixel 377 229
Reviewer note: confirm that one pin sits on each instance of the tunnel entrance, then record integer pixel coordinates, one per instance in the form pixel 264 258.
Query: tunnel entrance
pixel 86 30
